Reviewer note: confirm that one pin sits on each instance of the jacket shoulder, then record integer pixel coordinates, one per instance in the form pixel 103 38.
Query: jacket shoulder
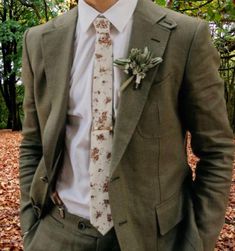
pixel 186 26
pixel 182 20
pixel 34 33
pixel 167 18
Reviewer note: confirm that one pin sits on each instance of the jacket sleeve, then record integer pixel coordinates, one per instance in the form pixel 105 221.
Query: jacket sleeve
pixel 31 147
pixel 212 139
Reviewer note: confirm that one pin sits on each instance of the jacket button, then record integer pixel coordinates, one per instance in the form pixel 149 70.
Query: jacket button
pixel 37 210
pixel 44 179
pixel 122 222
pixel 114 178
pixel 81 225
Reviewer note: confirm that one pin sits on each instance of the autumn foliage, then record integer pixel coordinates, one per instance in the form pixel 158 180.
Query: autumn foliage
pixel 10 237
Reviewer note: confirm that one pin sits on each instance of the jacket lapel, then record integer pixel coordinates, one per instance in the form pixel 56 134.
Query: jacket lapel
pixel 58 58
pixel 146 31
pixel 57 47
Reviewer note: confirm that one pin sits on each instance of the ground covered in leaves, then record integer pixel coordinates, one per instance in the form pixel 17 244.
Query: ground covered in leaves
pixel 10 238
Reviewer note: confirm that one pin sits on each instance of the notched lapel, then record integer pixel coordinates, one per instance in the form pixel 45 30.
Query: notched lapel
pixel 57 47
pixel 132 102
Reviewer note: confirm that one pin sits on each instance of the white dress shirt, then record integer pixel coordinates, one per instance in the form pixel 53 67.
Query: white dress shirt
pixel 73 184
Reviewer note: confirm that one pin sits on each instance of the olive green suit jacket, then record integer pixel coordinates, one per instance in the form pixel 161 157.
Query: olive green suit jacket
pixel 155 204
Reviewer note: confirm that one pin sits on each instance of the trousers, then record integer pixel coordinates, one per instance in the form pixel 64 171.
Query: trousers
pixel 70 233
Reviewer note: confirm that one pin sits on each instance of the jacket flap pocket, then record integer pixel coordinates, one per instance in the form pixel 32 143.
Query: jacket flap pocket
pixel 170 213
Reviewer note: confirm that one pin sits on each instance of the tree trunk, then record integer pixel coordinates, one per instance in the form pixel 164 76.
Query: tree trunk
pixel 9 49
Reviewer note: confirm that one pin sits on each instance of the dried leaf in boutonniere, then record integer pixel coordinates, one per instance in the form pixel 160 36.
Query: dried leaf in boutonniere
pixel 137 65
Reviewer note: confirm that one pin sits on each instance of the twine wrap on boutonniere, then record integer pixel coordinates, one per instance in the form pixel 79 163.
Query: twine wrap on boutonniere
pixel 137 65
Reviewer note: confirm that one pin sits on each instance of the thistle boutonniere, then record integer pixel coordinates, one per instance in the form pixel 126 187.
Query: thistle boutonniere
pixel 137 65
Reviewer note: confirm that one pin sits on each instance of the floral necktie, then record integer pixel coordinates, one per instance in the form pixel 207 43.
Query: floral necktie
pixel 102 126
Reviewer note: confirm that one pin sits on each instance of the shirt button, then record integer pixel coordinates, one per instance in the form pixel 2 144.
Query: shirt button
pixel 37 210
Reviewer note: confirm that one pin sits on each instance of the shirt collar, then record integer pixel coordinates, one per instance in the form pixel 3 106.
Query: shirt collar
pixel 119 14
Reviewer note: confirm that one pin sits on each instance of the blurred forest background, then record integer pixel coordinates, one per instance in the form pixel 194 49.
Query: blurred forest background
pixel 18 15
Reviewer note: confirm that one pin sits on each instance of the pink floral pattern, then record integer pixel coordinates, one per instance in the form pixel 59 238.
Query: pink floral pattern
pixel 95 154
pixel 101 138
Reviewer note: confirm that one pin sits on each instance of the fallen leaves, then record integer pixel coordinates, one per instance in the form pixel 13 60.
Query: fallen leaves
pixel 10 237
pixel 226 241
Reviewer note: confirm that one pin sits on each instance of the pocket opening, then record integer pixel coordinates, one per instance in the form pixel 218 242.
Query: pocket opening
pixel 170 212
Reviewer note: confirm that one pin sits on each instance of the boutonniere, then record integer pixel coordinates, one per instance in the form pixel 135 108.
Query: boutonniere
pixel 137 65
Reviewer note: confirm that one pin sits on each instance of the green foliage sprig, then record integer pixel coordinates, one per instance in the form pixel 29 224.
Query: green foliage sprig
pixel 137 65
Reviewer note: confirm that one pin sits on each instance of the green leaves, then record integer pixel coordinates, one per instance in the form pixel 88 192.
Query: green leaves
pixel 210 10
pixel 137 65
pixel 10 30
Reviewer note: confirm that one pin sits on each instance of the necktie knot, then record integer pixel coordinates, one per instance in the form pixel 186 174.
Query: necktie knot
pixel 102 25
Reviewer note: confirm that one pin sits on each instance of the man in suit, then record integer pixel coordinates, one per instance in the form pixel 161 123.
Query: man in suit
pixel 154 203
